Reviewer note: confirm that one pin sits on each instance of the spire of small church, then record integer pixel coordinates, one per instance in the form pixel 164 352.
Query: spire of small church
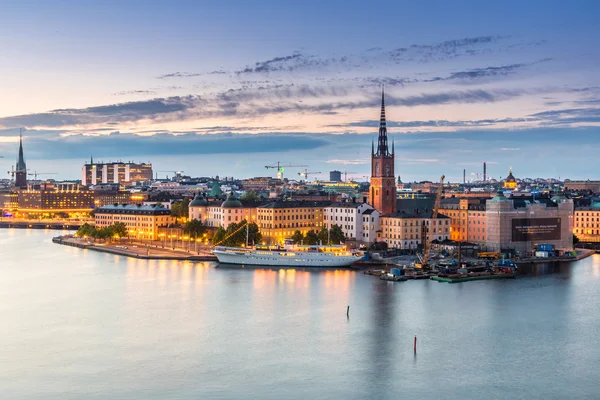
pixel 392 146
pixel 382 144
pixel 91 159
pixel 21 159
pixel 372 146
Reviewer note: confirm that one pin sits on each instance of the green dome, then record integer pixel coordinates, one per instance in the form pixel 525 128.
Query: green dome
pixel 198 201
pixel 215 190
pixel 499 197
pixel 231 202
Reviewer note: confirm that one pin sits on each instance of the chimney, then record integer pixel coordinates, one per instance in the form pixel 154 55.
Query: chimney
pixel 484 172
pixel 464 176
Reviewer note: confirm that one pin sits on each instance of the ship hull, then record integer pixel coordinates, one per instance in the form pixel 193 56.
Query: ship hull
pixel 275 259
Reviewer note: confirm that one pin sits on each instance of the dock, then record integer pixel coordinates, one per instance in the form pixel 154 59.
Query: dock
pixel 139 252
pixel 466 278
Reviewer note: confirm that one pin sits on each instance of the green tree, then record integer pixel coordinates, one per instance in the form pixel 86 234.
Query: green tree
pixel 194 228
pixel 575 240
pixel 254 235
pixel 85 230
pixel 311 238
pixel 250 195
pixel 219 237
pixel 336 235
pixel 185 207
pixel 119 229
pixel 298 237
pixel 323 236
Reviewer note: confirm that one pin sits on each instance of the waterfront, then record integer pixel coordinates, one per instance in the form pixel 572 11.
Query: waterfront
pixel 82 324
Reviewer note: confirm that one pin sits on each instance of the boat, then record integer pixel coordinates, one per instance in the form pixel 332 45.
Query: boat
pixel 290 255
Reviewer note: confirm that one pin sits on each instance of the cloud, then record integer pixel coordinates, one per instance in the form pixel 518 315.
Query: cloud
pixel 510 149
pixel 129 92
pixel 349 162
pixel 179 75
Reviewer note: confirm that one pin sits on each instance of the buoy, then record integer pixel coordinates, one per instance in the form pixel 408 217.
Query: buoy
pixel 415 344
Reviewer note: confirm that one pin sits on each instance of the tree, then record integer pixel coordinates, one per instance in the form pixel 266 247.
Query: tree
pixel 311 238
pixel 85 230
pixel 323 236
pixel 250 195
pixel 119 229
pixel 194 228
pixel 336 235
pixel 575 240
pixel 254 235
pixel 298 237
pixel 219 237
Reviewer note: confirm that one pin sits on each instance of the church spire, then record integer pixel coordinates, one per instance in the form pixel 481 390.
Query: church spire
pixel 382 144
pixel 21 159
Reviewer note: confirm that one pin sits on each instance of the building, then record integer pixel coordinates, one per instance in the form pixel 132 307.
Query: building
pixel 65 198
pixel 335 176
pixel 383 185
pixel 119 172
pixel 21 168
pixel 278 220
pixel 358 221
pixel 518 224
pixel 587 223
pixel 218 213
pixel 408 230
pixel 142 222
pixel 592 186
pixel 261 183
pixel 467 219
pixel 510 182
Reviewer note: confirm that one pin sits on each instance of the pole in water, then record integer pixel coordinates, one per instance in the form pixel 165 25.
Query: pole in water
pixel 415 344
pixel 348 311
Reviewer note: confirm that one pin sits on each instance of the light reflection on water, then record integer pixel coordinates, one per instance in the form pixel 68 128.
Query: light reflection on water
pixel 80 324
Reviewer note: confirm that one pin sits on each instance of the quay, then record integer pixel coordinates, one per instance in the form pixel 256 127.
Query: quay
pixel 38 224
pixel 466 278
pixel 139 251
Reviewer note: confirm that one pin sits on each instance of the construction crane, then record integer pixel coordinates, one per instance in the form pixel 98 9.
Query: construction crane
pixel 346 175
pixel 306 173
pixel 36 174
pixel 434 214
pixel 280 167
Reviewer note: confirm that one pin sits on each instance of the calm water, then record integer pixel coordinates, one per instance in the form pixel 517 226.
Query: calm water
pixel 78 324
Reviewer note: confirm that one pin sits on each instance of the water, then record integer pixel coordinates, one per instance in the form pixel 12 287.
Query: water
pixel 78 324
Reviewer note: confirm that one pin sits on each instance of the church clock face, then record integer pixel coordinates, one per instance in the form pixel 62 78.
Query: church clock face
pixel 387 169
pixel 376 169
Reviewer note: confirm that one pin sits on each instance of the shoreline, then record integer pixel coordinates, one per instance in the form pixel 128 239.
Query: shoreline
pixel 142 253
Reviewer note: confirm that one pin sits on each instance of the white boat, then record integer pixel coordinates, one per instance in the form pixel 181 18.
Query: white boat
pixel 289 256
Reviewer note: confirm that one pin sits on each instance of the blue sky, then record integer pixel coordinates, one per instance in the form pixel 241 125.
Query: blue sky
pixel 226 87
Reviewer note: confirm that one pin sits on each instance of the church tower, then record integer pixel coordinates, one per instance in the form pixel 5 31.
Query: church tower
pixel 383 185
pixel 21 168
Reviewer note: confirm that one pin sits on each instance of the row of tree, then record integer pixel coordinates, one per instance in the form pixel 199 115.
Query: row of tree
pixel 194 228
pixel 117 230
pixel 335 235
pixel 235 235
pixel 181 209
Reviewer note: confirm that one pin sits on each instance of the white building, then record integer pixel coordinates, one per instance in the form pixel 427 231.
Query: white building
pixel 359 221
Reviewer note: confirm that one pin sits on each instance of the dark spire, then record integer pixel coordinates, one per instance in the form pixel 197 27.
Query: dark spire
pixel 21 160
pixel 392 146
pixel 372 146
pixel 382 145
pixel 91 159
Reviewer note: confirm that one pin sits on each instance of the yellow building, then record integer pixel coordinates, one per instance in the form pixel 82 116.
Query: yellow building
pixel 586 225
pixel 467 219
pixel 222 213
pixel 280 219
pixel 142 221
pixel 510 182
pixel 407 230
pixel 64 198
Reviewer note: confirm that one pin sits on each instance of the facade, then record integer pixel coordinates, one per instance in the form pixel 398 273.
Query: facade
pixel 261 183
pixel 20 168
pixel 279 220
pixel 519 224
pixel 383 185
pixel 358 221
pixel 119 172
pixel 408 230
pixel 587 223
pixel 219 213
pixel 592 186
pixel 142 221
pixel 63 198
pixel 335 176
pixel 467 219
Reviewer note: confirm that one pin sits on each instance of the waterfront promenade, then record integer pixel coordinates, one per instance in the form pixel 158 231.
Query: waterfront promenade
pixel 139 249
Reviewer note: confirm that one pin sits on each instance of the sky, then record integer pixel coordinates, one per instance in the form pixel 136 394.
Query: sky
pixel 227 87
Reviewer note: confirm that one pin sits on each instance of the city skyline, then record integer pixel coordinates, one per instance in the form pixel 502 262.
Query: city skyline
pixel 230 87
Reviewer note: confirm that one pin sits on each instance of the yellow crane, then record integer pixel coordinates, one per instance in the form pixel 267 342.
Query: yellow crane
pixel 434 214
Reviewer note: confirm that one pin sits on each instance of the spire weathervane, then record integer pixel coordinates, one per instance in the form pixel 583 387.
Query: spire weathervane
pixel 382 144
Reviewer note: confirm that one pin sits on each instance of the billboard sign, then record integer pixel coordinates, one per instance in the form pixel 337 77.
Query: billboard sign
pixel 535 229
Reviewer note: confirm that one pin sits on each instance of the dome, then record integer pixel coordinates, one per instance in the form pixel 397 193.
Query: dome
pixel 499 197
pixel 198 201
pixel 231 202
pixel 510 177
